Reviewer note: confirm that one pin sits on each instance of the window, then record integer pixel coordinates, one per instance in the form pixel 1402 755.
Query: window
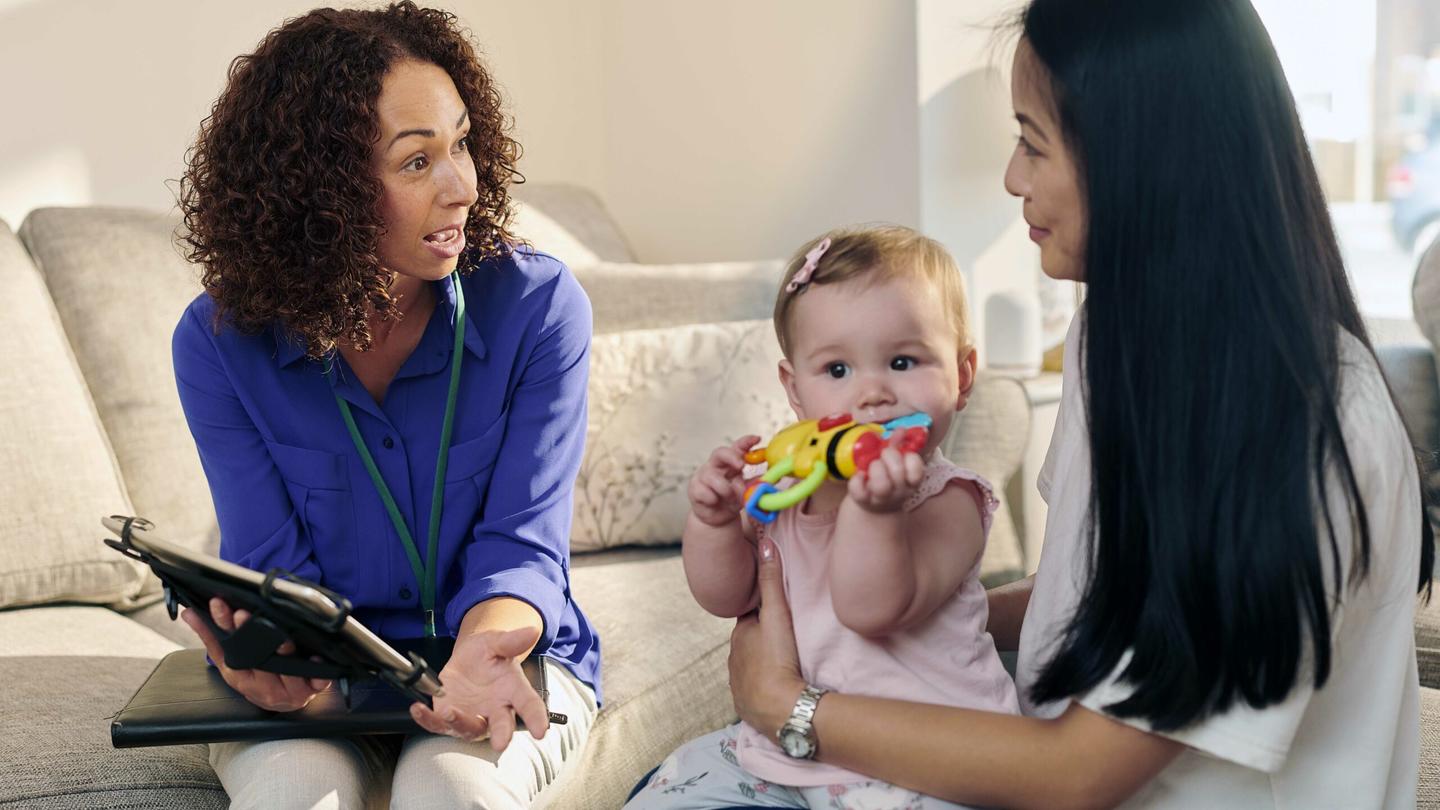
pixel 1366 78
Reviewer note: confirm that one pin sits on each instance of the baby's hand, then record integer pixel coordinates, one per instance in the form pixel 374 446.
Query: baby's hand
pixel 887 482
pixel 716 490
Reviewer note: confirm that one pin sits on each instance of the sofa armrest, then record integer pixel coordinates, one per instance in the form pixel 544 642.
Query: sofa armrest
pixel 990 437
pixel 569 222
pixel 1410 369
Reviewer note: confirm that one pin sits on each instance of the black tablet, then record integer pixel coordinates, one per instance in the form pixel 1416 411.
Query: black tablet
pixel 282 606
pixel 186 701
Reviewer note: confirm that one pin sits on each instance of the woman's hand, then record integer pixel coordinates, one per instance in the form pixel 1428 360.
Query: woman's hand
pixel 485 689
pixel 765 675
pixel 276 693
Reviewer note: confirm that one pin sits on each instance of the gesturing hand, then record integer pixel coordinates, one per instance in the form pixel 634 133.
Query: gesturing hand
pixel 716 490
pixel 485 688
pixel 887 482
pixel 276 693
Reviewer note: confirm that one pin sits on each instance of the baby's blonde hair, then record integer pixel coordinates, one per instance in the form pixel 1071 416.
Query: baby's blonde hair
pixel 875 254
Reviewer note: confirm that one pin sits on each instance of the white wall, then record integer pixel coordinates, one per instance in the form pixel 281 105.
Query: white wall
pixel 100 99
pixel 740 129
pixel 713 130
pixel 1329 61
pixel 967 132
pixel 546 55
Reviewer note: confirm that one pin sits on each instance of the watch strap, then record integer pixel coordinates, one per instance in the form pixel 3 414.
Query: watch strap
pixel 802 717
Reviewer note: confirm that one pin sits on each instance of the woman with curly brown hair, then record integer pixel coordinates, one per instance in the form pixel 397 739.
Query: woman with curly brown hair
pixel 387 393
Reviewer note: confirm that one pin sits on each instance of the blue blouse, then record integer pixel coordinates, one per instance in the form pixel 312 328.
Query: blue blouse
pixel 291 492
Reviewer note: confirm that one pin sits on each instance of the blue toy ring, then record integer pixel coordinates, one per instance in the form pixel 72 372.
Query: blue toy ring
pixel 752 506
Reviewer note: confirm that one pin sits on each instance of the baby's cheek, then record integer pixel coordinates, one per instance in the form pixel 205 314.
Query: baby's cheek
pixel 939 428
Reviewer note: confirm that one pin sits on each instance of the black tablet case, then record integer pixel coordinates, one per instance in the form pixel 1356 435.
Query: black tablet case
pixel 186 701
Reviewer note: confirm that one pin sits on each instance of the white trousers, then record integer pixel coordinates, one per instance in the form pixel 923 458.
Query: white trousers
pixel 416 771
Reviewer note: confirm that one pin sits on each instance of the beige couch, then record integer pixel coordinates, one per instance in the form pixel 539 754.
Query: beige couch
pixel 1409 358
pixel 92 426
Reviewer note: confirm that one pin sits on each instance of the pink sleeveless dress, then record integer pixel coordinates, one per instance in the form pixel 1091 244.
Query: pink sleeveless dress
pixel 948 659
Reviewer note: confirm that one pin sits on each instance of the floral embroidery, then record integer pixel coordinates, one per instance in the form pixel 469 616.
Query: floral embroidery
pixel 727 750
pixel 643 442
pixel 686 785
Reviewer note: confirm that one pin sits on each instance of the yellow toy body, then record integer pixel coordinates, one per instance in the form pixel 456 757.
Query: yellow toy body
pixel 817 449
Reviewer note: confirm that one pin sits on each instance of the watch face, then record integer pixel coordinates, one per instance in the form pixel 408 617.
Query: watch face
pixel 795 743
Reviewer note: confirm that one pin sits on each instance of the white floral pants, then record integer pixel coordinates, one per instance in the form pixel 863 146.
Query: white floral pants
pixel 704 774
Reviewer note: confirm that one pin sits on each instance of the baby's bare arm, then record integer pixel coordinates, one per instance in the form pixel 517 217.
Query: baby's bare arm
pixel 720 566
pixel 890 571
pixel 717 549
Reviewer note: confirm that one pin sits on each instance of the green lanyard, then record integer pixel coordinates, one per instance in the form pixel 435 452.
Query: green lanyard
pixel 424 573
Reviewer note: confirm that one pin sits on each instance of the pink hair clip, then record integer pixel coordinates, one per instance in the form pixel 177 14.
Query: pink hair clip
pixel 802 276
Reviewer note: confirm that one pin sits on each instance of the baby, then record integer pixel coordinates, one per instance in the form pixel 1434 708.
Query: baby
pixel 882 571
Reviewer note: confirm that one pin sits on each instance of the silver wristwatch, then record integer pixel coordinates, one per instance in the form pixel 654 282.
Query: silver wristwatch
pixel 797 736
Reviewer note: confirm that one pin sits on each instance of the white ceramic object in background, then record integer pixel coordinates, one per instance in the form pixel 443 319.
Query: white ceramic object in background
pixel 1012 333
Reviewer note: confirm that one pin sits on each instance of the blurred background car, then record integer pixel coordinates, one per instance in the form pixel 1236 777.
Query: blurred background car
pixel 1413 186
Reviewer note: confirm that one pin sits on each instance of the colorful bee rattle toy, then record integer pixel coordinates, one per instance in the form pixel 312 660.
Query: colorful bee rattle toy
pixel 817 449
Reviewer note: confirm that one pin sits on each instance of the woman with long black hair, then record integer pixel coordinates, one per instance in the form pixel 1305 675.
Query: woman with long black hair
pixel 1223 613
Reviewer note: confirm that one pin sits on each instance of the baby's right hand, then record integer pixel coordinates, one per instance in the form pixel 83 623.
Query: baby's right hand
pixel 717 490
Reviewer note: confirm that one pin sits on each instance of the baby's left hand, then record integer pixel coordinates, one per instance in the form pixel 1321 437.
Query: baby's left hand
pixel 888 482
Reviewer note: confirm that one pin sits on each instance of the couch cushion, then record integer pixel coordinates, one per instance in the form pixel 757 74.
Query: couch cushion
pixel 664 670
pixel 1425 294
pixel 59 473
pixel 662 399
pixel 546 235
pixel 568 222
pixel 649 296
pixel 1410 368
pixel 55 753
pixel 989 437
pixel 89 632
pixel 120 285
pixel 1427 640
pixel 155 616
pixel 1427 792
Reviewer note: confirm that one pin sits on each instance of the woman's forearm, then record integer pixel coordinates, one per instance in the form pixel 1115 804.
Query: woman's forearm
pixel 501 613
pixel 1081 759
pixel 720 567
pixel 1007 612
